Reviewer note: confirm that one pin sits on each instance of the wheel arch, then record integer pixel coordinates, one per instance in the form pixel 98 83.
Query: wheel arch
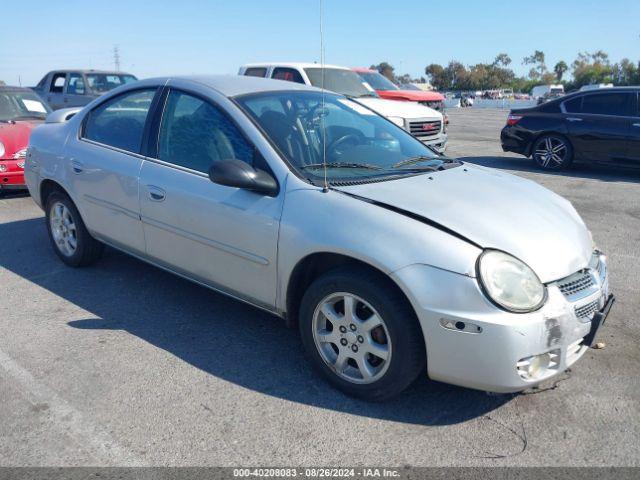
pixel 316 264
pixel 47 187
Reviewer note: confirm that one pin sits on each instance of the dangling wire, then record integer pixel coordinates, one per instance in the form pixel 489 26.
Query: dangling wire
pixel 322 112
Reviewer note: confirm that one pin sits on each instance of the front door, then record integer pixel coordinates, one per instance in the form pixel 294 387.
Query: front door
pixel 76 91
pixel 598 124
pixel 222 236
pixel 104 168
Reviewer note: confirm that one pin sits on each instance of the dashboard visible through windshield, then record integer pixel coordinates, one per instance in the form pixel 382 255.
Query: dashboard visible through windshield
pixel 357 143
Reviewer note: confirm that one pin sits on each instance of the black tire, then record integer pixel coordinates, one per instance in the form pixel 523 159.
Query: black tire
pixel 552 152
pixel 408 355
pixel 88 250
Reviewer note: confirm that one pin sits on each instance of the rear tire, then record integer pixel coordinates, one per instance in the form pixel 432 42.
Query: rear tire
pixel 373 353
pixel 552 152
pixel 69 237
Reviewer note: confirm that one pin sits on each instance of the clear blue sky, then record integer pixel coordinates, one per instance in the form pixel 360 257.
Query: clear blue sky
pixel 161 37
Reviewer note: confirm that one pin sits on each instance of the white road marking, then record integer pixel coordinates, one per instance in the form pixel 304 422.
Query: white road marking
pixel 98 443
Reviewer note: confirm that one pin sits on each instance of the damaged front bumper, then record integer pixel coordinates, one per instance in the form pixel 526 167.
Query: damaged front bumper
pixel 472 343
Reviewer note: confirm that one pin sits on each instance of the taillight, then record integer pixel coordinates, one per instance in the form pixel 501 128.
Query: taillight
pixel 513 119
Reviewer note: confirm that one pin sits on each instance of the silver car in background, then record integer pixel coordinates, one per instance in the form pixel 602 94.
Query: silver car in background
pixel 387 256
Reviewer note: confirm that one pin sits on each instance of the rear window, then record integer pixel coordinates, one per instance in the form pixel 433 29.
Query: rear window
pixel 606 103
pixel 574 105
pixel 119 122
pixel 288 74
pixel 256 72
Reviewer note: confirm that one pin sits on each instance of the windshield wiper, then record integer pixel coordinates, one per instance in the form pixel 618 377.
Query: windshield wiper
pixel 424 158
pixel 341 165
pixel 416 159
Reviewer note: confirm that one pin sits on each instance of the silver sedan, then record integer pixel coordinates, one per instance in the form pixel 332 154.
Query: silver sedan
pixel 387 256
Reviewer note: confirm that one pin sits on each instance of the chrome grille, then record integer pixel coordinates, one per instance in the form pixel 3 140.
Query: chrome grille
pixel 576 283
pixel 425 128
pixel 586 311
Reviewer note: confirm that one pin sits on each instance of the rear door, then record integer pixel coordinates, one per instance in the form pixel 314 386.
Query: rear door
pixel 634 131
pixel 55 94
pixel 105 166
pixel 598 124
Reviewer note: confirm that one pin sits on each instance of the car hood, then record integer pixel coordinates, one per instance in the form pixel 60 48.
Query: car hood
pixel 411 95
pixel 15 136
pixel 391 108
pixel 494 210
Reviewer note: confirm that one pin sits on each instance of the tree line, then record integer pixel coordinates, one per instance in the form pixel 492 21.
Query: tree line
pixel 587 68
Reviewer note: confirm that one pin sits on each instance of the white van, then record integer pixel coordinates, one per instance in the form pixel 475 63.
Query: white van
pixel 424 123
pixel 541 90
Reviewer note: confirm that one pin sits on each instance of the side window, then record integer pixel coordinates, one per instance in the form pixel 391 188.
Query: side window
pixel 57 82
pixel 607 103
pixel 574 105
pixel 194 134
pixel 119 122
pixel 256 72
pixel 76 84
pixel 288 74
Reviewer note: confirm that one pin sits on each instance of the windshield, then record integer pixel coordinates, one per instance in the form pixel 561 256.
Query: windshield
pixel 103 82
pixel 359 144
pixel 408 86
pixel 21 105
pixel 377 81
pixel 340 81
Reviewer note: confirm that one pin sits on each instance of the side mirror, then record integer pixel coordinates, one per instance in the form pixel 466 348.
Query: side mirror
pixel 239 174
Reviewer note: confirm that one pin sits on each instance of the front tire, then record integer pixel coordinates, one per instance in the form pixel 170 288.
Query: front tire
pixel 361 333
pixel 69 237
pixel 552 152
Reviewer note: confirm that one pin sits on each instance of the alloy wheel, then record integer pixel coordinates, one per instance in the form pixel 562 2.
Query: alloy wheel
pixel 550 152
pixel 63 229
pixel 352 338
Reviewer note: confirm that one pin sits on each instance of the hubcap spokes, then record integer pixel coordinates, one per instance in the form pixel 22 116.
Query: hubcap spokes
pixel 550 153
pixel 351 338
pixel 63 229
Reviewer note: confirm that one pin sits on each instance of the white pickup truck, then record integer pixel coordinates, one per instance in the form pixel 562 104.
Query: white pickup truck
pixel 422 122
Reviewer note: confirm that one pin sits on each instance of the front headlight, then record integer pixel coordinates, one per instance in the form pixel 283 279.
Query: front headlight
pixel 509 282
pixel 398 121
pixel 1 149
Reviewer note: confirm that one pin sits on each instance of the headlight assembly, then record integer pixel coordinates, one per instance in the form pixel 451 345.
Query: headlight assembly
pixel 510 283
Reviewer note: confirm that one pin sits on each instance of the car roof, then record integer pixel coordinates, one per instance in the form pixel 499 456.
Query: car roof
pixel 233 85
pixel 292 65
pixel 85 70
pixel 8 88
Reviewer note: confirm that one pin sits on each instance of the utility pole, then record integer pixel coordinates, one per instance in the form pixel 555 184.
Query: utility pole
pixel 116 57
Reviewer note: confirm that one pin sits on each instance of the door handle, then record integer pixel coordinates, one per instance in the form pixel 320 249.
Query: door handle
pixel 156 194
pixel 574 119
pixel 76 166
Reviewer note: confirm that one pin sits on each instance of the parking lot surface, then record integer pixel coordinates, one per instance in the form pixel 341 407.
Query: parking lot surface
pixel 124 364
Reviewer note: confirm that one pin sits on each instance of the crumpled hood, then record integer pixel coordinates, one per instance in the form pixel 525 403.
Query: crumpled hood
pixel 495 210
pixel 393 108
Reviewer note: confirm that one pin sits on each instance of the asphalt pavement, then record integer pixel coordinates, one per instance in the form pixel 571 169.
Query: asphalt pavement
pixel 124 364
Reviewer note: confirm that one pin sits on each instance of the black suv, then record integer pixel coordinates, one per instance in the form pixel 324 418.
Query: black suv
pixel 595 126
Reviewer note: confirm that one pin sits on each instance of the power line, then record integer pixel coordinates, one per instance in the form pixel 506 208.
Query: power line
pixel 116 57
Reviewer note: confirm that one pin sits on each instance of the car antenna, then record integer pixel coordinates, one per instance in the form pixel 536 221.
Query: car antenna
pixel 322 113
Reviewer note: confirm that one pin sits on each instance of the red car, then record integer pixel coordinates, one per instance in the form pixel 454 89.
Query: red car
pixel 387 89
pixel 21 110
